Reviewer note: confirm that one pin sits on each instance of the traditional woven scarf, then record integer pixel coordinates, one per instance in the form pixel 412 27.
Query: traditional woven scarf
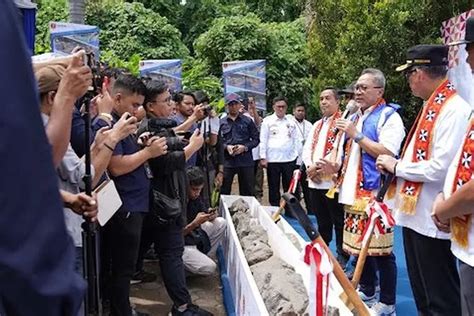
pixel 362 196
pixel 460 225
pixel 423 132
pixel 330 137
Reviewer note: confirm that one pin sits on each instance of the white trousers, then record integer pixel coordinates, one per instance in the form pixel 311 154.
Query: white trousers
pixel 200 263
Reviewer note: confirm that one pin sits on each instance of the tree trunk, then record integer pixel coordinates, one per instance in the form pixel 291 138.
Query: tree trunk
pixel 77 10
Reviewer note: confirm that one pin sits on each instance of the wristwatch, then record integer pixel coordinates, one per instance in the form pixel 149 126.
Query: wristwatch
pixel 359 137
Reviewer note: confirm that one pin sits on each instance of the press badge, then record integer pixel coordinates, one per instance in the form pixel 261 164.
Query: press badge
pixel 148 172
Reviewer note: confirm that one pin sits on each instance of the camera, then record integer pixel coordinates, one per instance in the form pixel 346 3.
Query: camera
pixel 164 128
pixel 207 110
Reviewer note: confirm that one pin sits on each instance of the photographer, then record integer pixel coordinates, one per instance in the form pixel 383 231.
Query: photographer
pixel 187 116
pixel 121 234
pixel 164 225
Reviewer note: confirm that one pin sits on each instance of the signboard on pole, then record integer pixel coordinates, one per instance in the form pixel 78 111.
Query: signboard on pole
pixel 66 36
pixel 247 78
pixel 460 72
pixel 167 70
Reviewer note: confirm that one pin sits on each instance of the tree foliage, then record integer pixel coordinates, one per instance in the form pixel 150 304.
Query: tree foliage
pixel 130 28
pixel 347 36
pixel 283 45
pixel 48 10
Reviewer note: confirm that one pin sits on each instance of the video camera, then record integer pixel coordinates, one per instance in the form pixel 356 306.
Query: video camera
pixel 162 127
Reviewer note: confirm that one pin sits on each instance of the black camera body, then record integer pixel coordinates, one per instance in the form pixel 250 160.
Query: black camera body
pixel 207 110
pixel 164 128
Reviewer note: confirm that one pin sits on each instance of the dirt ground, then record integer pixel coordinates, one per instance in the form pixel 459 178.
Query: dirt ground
pixel 205 291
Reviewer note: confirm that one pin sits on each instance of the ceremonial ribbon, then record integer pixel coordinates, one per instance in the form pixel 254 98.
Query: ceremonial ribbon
pixel 294 181
pixel 321 268
pixel 376 211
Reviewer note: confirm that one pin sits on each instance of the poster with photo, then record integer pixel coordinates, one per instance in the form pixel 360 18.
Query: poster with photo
pixel 167 70
pixel 66 36
pixel 246 78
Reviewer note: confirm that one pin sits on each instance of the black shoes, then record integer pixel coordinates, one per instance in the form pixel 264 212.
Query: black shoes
pixel 143 277
pixel 191 310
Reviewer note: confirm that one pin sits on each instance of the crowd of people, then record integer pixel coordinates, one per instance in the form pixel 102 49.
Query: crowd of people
pixel 166 152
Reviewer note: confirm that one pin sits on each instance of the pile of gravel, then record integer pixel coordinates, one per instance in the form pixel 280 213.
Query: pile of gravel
pixel 282 289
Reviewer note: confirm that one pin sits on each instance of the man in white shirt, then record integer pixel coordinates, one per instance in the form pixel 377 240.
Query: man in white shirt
pixel 376 128
pixel 319 142
pixel 431 147
pixel 279 147
pixel 455 206
pixel 303 128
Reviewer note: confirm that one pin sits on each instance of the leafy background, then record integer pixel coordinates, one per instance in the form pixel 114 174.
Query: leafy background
pixel 308 44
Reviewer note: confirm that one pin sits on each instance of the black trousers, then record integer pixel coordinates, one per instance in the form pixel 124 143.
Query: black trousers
pixel 246 180
pixel 466 274
pixel 169 243
pixel 122 239
pixel 433 274
pixel 277 171
pixel 330 215
pixel 303 188
pixel 387 268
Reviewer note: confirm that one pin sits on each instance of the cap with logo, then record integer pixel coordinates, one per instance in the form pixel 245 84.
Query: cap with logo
pixel 425 55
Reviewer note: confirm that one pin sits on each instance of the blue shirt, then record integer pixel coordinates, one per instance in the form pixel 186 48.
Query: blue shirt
pixel 78 132
pixel 36 254
pixel 133 187
pixel 242 131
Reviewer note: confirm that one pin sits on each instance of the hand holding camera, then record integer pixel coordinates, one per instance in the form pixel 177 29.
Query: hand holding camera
pixel 76 79
pixel 196 139
pixel 156 146
pixel 124 127
pixel 201 111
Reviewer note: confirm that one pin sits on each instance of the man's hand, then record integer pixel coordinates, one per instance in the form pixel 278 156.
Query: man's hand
pixel 198 112
pixel 346 126
pixel 82 204
pixel 219 179
pixel 239 149
pixel 386 163
pixel 212 214
pixel 230 149
pixel 156 146
pixel 326 167
pixel 201 218
pixel 313 174
pixel 263 163
pixel 76 79
pixel 105 102
pixel 196 139
pixel 443 226
pixel 125 126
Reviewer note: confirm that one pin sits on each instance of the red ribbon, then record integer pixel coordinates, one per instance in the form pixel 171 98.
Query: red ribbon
pixel 313 255
pixel 376 212
pixel 294 181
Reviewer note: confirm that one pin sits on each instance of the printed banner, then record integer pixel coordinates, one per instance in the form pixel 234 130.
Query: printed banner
pixel 246 78
pixel 167 70
pixel 460 72
pixel 66 36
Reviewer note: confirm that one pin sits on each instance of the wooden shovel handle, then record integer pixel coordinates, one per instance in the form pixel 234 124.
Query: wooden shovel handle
pixel 349 295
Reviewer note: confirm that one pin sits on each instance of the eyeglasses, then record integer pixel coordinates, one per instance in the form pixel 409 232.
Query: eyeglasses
pixel 409 72
pixel 167 100
pixel 363 87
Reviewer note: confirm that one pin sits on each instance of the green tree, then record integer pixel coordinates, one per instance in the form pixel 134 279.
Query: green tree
pixel 347 36
pixel 283 45
pixel 48 10
pixel 130 28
